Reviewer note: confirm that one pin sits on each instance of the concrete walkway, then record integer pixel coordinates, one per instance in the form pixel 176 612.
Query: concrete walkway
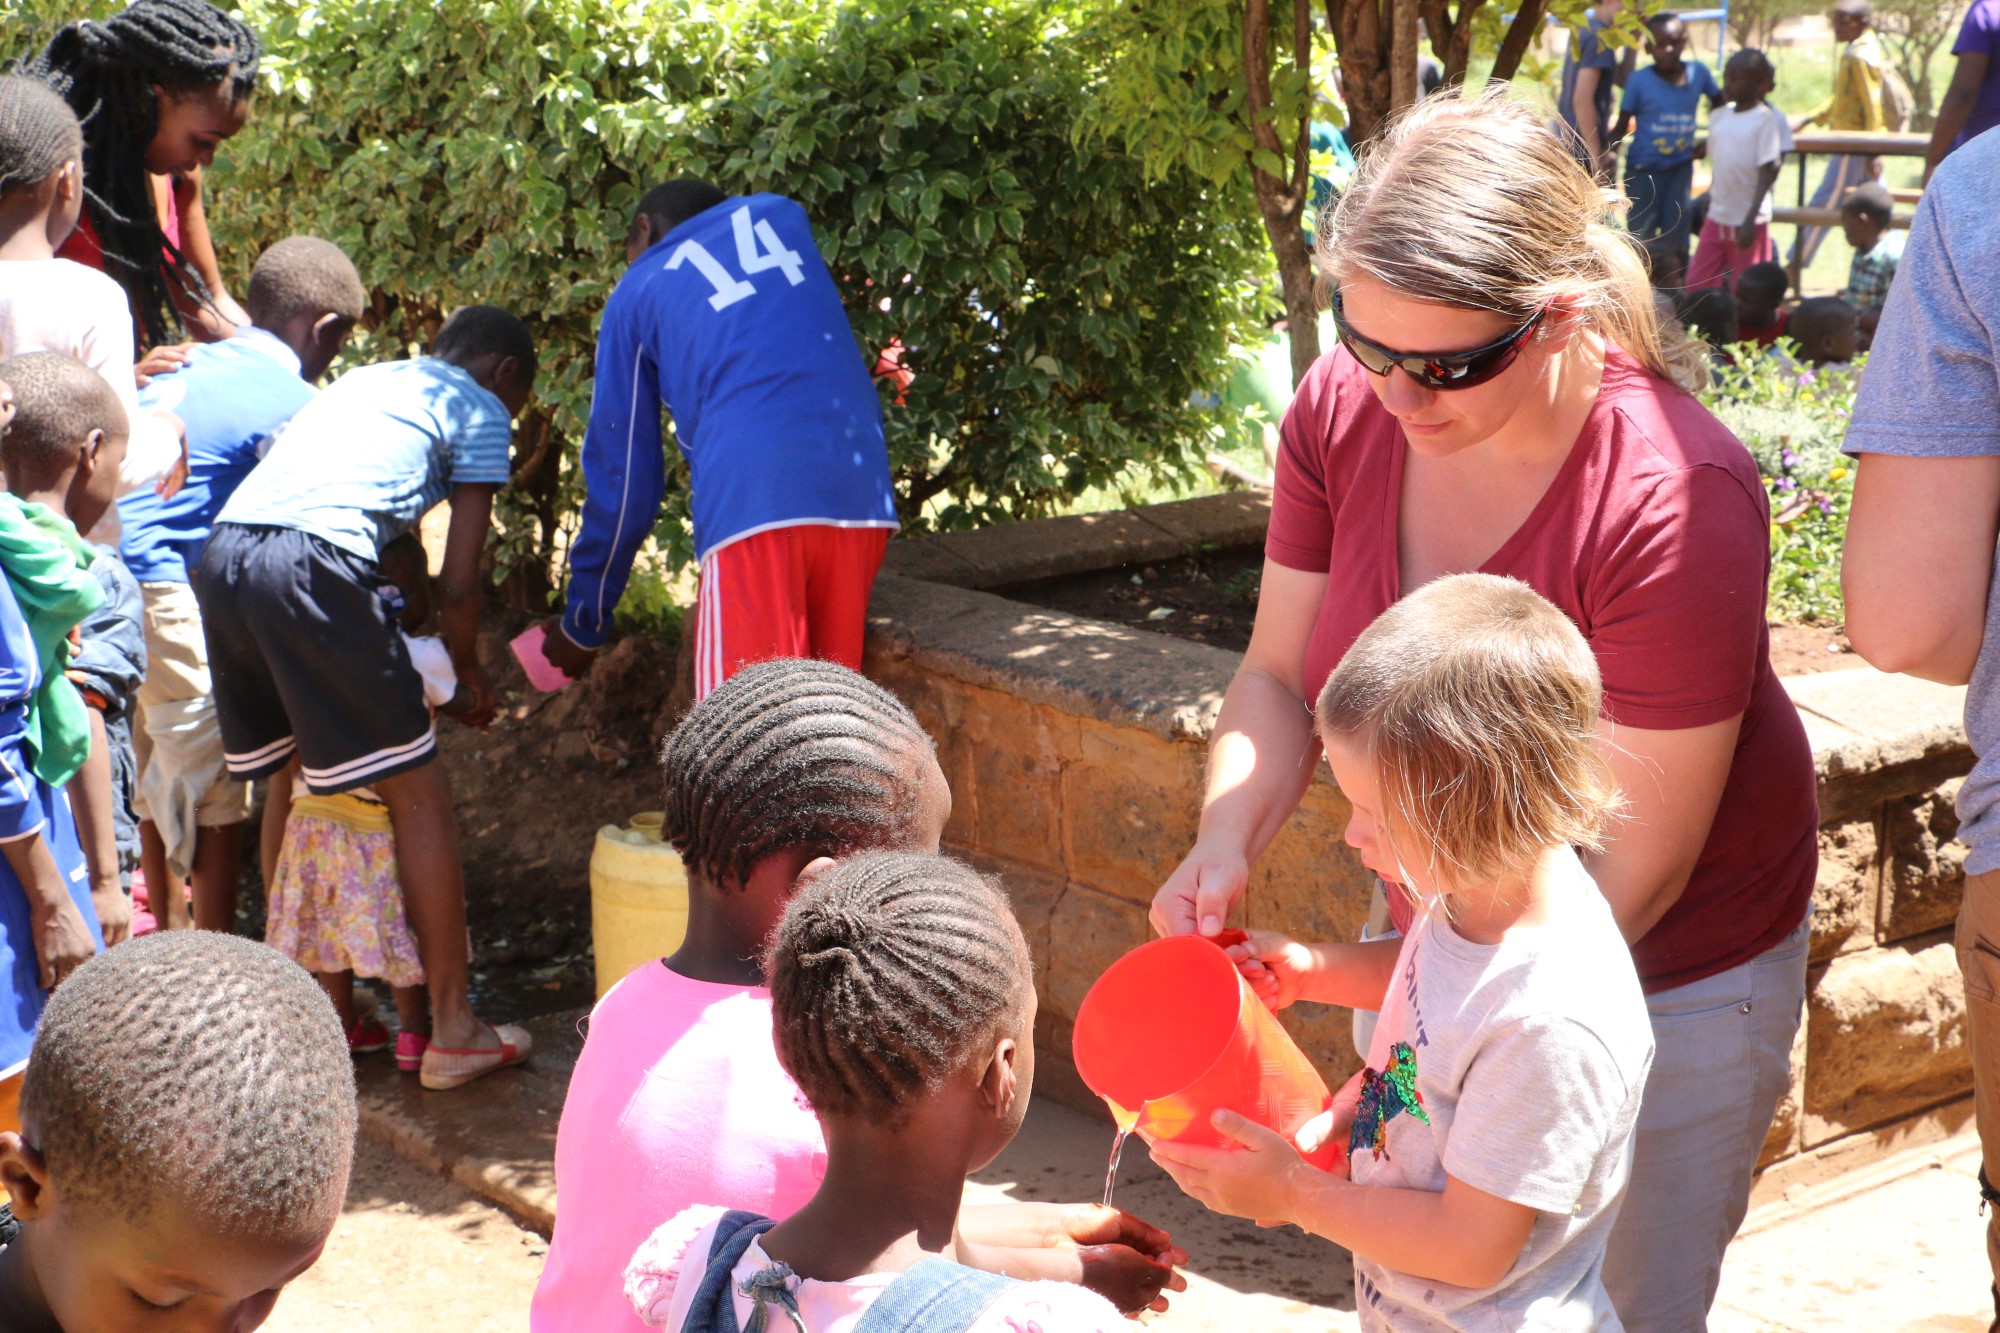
pixel 1896 1247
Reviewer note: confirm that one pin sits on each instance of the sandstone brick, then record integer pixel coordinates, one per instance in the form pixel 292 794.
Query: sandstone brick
pixel 1309 883
pixel 1886 1037
pixel 1844 898
pixel 1131 806
pixel 1088 932
pixel 1924 871
pixel 1015 758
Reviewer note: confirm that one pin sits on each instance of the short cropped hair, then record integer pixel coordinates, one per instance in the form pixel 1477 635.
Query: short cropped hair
pixel 1477 703
pixel 38 132
pixel 1813 320
pixel 197 1071
pixel 889 973
pixel 1765 279
pixel 60 401
pixel 303 275
pixel 1749 57
pixel 1871 201
pixel 474 331
pixel 790 753
pixel 1710 312
pixel 676 201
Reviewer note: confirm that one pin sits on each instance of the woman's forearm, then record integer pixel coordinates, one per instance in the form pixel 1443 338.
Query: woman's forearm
pixel 1259 763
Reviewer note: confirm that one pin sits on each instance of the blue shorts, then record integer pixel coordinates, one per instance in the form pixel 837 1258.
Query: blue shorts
pixel 308 660
pixel 22 998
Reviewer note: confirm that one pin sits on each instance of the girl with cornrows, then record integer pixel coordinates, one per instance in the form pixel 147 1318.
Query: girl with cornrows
pixel 679 1097
pixel 904 1005
pixel 1503 400
pixel 158 87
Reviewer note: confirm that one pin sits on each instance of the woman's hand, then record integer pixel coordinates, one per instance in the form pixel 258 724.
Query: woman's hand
pixel 1276 966
pixel 1198 897
pixel 162 360
pixel 1255 1179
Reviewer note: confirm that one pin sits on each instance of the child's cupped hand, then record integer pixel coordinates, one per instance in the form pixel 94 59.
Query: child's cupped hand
pixel 1257 1177
pixel 1275 966
pixel 1127 1261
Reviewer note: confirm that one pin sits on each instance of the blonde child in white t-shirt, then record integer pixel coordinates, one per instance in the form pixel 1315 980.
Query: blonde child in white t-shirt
pixel 53 305
pixel 1490 1138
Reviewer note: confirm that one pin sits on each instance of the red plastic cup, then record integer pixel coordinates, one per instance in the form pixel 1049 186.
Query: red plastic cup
pixel 543 674
pixel 1172 1032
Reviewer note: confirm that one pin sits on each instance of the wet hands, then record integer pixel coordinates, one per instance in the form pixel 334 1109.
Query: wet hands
pixel 1125 1260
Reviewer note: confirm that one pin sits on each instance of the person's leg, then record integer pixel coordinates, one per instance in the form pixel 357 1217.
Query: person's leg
pixel 1711 260
pixel 840 575
pixel 218 858
pixel 339 987
pixel 433 878
pixel 1642 187
pixel 1721 1063
pixel 750 606
pixel 1676 205
pixel 1978 941
pixel 1843 172
pixel 277 811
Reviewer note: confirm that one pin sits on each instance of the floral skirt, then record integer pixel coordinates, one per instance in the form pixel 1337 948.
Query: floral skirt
pixel 337 905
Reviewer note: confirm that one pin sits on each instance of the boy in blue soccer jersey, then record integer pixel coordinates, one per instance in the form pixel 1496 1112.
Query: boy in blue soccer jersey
pixel 311 672
pixel 1662 100
pixel 729 317
pixel 232 396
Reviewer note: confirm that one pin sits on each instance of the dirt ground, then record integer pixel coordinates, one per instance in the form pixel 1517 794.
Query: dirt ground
pixel 414 1254
pixel 1213 599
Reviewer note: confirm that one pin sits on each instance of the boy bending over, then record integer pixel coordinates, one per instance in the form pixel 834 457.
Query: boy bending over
pixel 310 672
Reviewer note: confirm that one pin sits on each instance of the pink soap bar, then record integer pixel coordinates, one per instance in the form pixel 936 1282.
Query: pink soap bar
pixel 543 674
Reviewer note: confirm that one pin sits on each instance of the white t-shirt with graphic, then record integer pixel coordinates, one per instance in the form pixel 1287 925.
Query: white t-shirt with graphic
pixel 1531 1058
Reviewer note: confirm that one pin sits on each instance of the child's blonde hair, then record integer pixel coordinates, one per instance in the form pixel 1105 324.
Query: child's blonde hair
pixel 1471 201
pixel 1476 701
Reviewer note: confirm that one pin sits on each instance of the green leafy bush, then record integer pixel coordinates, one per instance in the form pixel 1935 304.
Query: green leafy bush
pixel 1058 314
pixel 1793 422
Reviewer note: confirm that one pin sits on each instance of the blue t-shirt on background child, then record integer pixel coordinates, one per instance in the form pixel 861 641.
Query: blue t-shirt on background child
pixel 367 458
pixel 1664 114
pixel 231 396
pixel 27 805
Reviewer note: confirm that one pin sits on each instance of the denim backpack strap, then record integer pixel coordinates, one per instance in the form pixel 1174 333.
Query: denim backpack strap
pixel 712 1310
pixel 936 1296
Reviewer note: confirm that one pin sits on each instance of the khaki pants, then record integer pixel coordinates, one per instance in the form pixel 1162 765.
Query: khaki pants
pixel 1978 943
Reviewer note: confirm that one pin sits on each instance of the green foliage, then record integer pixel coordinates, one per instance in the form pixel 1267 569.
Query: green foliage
pixel 1059 315
pixel 1793 422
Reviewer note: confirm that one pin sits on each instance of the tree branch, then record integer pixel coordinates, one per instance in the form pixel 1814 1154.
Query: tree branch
pixel 1527 23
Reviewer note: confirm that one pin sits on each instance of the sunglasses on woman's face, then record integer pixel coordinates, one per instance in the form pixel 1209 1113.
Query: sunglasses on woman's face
pixel 1436 370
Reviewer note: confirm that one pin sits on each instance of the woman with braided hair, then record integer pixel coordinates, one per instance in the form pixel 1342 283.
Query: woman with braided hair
pixel 157 88
pixel 903 1001
pixel 679 1097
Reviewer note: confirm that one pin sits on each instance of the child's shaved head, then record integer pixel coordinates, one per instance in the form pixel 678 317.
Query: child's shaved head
pixel 58 402
pixel 303 276
pixel 227 1042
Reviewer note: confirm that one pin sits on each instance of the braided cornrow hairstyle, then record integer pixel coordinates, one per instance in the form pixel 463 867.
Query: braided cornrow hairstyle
pixel 890 972
pixel 789 753
pixel 38 133
pixel 107 72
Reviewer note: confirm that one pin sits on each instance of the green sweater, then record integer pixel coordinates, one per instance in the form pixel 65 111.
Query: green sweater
pixel 48 567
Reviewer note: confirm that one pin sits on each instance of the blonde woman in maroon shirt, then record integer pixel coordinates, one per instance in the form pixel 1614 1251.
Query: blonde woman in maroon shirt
pixel 1504 400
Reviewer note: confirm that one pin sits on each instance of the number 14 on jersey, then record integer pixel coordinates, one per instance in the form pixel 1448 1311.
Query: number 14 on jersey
pixel 758 249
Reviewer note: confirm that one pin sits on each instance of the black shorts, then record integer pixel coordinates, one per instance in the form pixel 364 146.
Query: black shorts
pixel 307 659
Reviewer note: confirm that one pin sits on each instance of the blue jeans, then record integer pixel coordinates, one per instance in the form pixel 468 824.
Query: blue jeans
pixel 1660 202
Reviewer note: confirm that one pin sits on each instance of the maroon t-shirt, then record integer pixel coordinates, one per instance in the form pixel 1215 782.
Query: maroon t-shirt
pixel 1654 539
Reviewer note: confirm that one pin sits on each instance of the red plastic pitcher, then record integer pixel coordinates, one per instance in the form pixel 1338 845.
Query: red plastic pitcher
pixel 1171 1033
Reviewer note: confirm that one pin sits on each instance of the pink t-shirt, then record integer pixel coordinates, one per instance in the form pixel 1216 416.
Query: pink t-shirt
pixel 680 1247
pixel 1655 539
pixel 678 1099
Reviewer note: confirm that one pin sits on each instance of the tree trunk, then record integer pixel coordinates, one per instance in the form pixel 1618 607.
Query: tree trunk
pixel 1520 36
pixel 1403 55
pixel 1451 37
pixel 1282 199
pixel 1360 34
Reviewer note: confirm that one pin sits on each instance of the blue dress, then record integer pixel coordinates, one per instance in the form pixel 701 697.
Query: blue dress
pixel 28 806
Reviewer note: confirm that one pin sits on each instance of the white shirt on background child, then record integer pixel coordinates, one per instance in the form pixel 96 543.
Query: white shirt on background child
pixel 1531 1058
pixel 1740 144
pixel 55 305
pixel 653 1283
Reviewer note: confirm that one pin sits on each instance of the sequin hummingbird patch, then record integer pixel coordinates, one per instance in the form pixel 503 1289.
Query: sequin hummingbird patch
pixel 1386 1094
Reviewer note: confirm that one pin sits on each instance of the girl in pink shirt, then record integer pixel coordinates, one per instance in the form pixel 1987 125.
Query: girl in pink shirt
pixel 905 1007
pixel 678 1097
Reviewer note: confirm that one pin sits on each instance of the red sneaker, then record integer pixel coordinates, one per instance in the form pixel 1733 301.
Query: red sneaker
pixel 367 1037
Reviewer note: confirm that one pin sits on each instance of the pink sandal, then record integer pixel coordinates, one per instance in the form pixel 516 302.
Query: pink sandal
pixel 410 1050
pixel 444 1069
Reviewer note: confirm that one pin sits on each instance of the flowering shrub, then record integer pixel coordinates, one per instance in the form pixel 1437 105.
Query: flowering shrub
pixel 1793 420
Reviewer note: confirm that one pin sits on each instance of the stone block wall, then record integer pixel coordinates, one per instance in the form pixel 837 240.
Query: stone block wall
pixel 1075 751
